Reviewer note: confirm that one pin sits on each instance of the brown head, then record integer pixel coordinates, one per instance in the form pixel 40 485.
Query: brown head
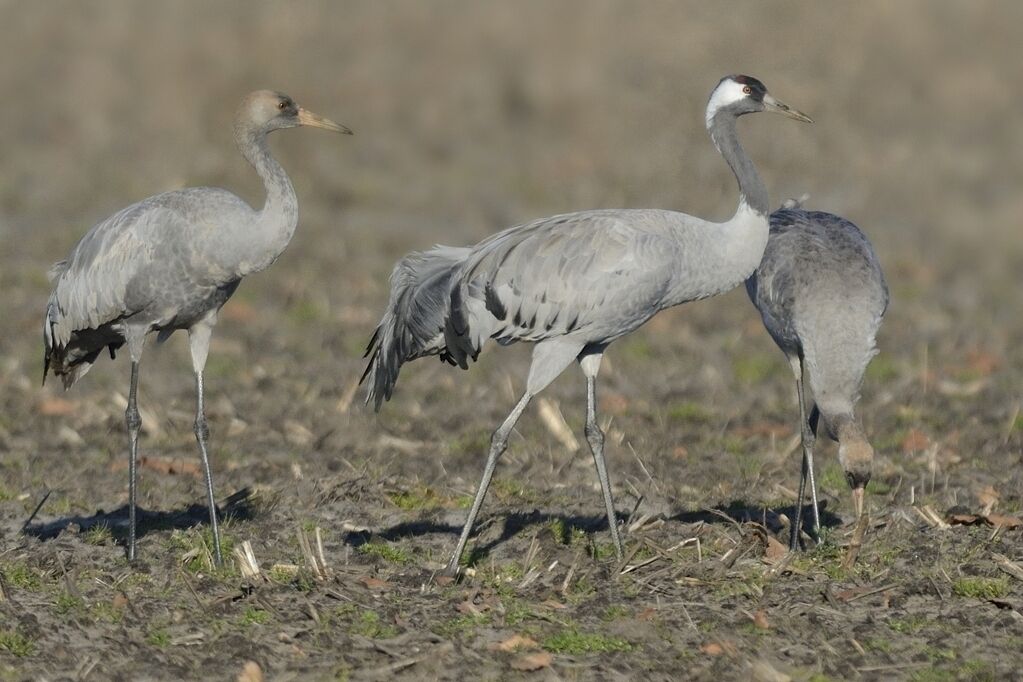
pixel 264 111
pixel 856 457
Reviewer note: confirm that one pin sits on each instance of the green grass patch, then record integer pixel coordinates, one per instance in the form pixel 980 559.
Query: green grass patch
pixel 67 602
pixel 688 412
pixel 197 545
pixel 19 574
pixel 981 588
pixel 390 553
pixel 369 624
pixel 98 535
pixel 908 625
pixel 881 369
pixel 833 478
pixel 753 368
pixel 420 497
pixel 253 616
pixel 158 637
pixel 16 644
pixel 575 643
pixel 461 626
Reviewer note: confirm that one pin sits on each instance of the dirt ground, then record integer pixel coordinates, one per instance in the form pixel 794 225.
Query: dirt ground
pixel 470 117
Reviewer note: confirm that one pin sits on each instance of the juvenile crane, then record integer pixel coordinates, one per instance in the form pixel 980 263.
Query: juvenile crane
pixel 170 262
pixel 821 294
pixel 572 284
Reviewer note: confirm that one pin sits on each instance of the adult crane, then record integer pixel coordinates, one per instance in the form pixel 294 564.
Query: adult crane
pixel 822 296
pixel 572 284
pixel 170 262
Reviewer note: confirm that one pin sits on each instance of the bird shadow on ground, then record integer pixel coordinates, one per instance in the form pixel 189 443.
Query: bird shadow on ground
pixel 239 506
pixel 735 512
pixel 740 512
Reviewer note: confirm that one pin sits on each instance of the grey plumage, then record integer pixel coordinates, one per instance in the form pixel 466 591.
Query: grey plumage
pixel 822 296
pixel 170 262
pixel 572 284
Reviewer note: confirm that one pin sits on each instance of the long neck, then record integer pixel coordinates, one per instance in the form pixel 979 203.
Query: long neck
pixel 275 223
pixel 281 202
pixel 726 139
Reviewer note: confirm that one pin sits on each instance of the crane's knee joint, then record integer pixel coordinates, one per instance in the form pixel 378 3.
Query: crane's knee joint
pixel 594 436
pixel 133 418
pixel 201 428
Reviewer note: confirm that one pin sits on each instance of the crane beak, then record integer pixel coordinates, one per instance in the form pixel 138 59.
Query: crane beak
pixel 857 495
pixel 779 107
pixel 308 118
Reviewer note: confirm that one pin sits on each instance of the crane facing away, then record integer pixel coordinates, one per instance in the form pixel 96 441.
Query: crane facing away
pixel 170 262
pixel 572 284
pixel 822 296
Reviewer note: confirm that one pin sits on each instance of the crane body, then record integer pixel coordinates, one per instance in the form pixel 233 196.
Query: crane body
pixel 169 263
pixel 572 284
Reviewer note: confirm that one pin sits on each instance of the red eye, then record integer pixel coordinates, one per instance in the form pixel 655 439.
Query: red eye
pixel 746 90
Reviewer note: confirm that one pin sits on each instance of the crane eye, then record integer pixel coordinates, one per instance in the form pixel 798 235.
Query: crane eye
pixel 747 90
pixel 282 105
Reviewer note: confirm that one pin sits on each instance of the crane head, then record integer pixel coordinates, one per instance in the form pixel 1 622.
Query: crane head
pixel 266 110
pixel 738 95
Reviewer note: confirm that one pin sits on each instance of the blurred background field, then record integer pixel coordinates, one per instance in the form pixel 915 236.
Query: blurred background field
pixel 473 116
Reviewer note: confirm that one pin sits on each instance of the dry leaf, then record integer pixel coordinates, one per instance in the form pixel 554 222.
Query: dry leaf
pixel 534 661
pixel 679 452
pixel 760 620
pixel 55 407
pixel 1007 522
pixel 774 550
pixel 552 604
pixel 515 643
pixel 374 583
pixel 647 614
pixel 712 649
pixel 120 601
pixel 443 580
pixel 251 672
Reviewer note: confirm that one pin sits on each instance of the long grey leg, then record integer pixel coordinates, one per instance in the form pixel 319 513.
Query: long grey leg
pixel 595 437
pixel 808 439
pixel 498 444
pixel 134 422
pixel 812 421
pixel 199 344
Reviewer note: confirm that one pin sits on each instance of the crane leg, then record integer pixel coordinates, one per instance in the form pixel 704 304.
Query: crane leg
pixel 812 421
pixel 550 358
pixel 808 438
pixel 498 444
pixel 134 421
pixel 199 344
pixel 595 437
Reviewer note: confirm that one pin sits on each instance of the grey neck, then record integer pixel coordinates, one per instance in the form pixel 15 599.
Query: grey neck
pixel 726 139
pixel 281 201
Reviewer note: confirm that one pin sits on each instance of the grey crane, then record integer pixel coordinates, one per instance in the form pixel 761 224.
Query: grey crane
pixel 170 262
pixel 572 284
pixel 822 296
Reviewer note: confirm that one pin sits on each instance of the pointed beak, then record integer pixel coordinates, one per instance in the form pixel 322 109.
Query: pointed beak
pixel 308 118
pixel 779 107
pixel 857 496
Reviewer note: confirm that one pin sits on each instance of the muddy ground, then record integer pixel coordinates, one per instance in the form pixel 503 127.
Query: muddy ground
pixel 470 117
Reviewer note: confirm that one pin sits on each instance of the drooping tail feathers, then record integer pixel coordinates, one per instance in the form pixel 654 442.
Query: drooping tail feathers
pixel 69 352
pixel 413 323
